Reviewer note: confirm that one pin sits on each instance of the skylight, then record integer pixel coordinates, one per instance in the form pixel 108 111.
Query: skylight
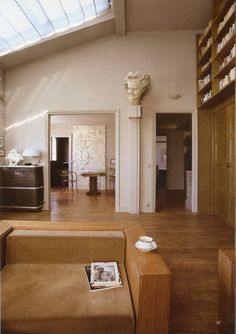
pixel 25 22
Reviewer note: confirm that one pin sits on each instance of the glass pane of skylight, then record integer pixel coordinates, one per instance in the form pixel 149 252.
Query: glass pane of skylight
pixel 16 18
pixel 4 46
pixel 37 16
pixel 88 9
pixel 55 13
pixel 101 5
pixel 8 33
pixel 27 21
pixel 73 10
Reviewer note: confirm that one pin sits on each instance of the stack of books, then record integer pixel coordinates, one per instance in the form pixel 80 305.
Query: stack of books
pixel 103 275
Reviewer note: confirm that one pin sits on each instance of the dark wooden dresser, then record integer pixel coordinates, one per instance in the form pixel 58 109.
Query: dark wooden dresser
pixel 21 188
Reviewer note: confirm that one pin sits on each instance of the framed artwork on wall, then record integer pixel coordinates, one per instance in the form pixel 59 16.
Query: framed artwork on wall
pixel 2 153
pixel 89 152
pixel 1 141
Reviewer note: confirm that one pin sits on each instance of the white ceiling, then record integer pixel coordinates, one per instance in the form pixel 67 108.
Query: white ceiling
pixel 130 16
pixel 161 15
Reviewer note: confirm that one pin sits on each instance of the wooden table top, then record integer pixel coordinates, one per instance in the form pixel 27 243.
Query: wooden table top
pixel 93 174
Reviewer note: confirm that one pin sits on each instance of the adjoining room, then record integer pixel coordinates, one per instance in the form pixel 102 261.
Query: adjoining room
pixel 174 161
pixel 82 158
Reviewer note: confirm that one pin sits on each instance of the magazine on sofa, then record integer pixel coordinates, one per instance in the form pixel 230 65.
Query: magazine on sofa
pixel 103 275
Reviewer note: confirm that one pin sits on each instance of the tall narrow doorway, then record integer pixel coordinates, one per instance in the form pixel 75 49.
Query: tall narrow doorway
pixel 59 159
pixel 173 161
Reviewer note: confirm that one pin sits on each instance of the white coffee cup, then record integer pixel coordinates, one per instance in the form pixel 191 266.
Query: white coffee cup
pixel 146 242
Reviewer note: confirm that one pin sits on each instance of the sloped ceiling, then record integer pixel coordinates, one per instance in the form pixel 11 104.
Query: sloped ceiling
pixel 167 15
pixel 129 16
pixel 100 27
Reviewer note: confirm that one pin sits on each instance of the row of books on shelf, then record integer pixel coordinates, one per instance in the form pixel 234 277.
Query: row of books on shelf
pixel 103 276
pixel 205 47
pixel 206 65
pixel 228 58
pixel 225 19
pixel 226 38
pixel 205 32
pixel 225 61
pixel 228 78
pixel 206 97
pixel 204 81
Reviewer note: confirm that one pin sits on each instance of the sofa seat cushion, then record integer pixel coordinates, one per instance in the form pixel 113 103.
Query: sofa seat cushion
pixel 55 298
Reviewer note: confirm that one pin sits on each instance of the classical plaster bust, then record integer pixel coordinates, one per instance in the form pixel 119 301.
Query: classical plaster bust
pixel 135 85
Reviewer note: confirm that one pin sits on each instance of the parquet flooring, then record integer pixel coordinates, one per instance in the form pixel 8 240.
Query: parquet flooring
pixel 188 242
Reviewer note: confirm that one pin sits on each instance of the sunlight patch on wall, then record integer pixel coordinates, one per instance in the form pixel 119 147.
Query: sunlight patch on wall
pixel 27 120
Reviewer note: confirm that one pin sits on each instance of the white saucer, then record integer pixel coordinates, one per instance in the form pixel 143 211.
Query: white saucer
pixel 137 245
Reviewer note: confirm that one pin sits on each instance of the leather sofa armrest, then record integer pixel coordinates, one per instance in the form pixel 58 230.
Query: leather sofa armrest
pixel 150 284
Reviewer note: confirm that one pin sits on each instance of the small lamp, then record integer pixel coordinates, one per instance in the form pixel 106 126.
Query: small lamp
pixel 32 153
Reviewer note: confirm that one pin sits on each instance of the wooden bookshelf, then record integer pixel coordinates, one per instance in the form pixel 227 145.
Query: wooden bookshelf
pixel 225 69
pixel 216 115
pixel 205 72
pixel 216 60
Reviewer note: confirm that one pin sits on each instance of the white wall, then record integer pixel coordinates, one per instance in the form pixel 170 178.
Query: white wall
pixel 90 77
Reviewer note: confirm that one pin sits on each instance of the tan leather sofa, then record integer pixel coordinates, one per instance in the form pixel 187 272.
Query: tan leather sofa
pixel 45 289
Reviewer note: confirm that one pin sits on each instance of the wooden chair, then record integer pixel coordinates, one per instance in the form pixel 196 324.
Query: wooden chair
pixel 112 179
pixel 67 178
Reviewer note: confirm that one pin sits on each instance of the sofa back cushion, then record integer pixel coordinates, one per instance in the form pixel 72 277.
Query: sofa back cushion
pixel 36 246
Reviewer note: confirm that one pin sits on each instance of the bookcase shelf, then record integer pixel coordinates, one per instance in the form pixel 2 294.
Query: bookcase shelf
pixel 206 71
pixel 223 31
pixel 220 66
pixel 222 94
pixel 221 10
pixel 207 33
pixel 226 48
pixel 205 88
pixel 206 56
pixel 225 70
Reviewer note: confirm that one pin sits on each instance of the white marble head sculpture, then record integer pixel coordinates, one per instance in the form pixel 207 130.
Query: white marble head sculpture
pixel 135 85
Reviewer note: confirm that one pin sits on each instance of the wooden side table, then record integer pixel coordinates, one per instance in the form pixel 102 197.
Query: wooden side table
pixel 93 191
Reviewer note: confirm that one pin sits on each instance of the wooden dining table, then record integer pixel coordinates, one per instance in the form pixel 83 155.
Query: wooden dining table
pixel 93 188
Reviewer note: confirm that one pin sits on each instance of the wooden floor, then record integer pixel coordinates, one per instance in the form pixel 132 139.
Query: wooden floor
pixel 188 243
pixel 169 200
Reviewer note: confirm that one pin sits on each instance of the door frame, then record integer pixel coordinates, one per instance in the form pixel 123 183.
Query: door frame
pixel 117 147
pixel 194 154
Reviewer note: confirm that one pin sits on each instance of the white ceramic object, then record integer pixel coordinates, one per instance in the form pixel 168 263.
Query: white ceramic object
pixel 146 244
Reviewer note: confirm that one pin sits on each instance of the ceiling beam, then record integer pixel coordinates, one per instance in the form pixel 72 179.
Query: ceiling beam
pixel 120 19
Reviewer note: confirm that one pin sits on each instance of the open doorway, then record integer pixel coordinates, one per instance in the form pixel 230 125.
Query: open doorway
pixel 173 161
pixel 82 145
pixel 59 157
